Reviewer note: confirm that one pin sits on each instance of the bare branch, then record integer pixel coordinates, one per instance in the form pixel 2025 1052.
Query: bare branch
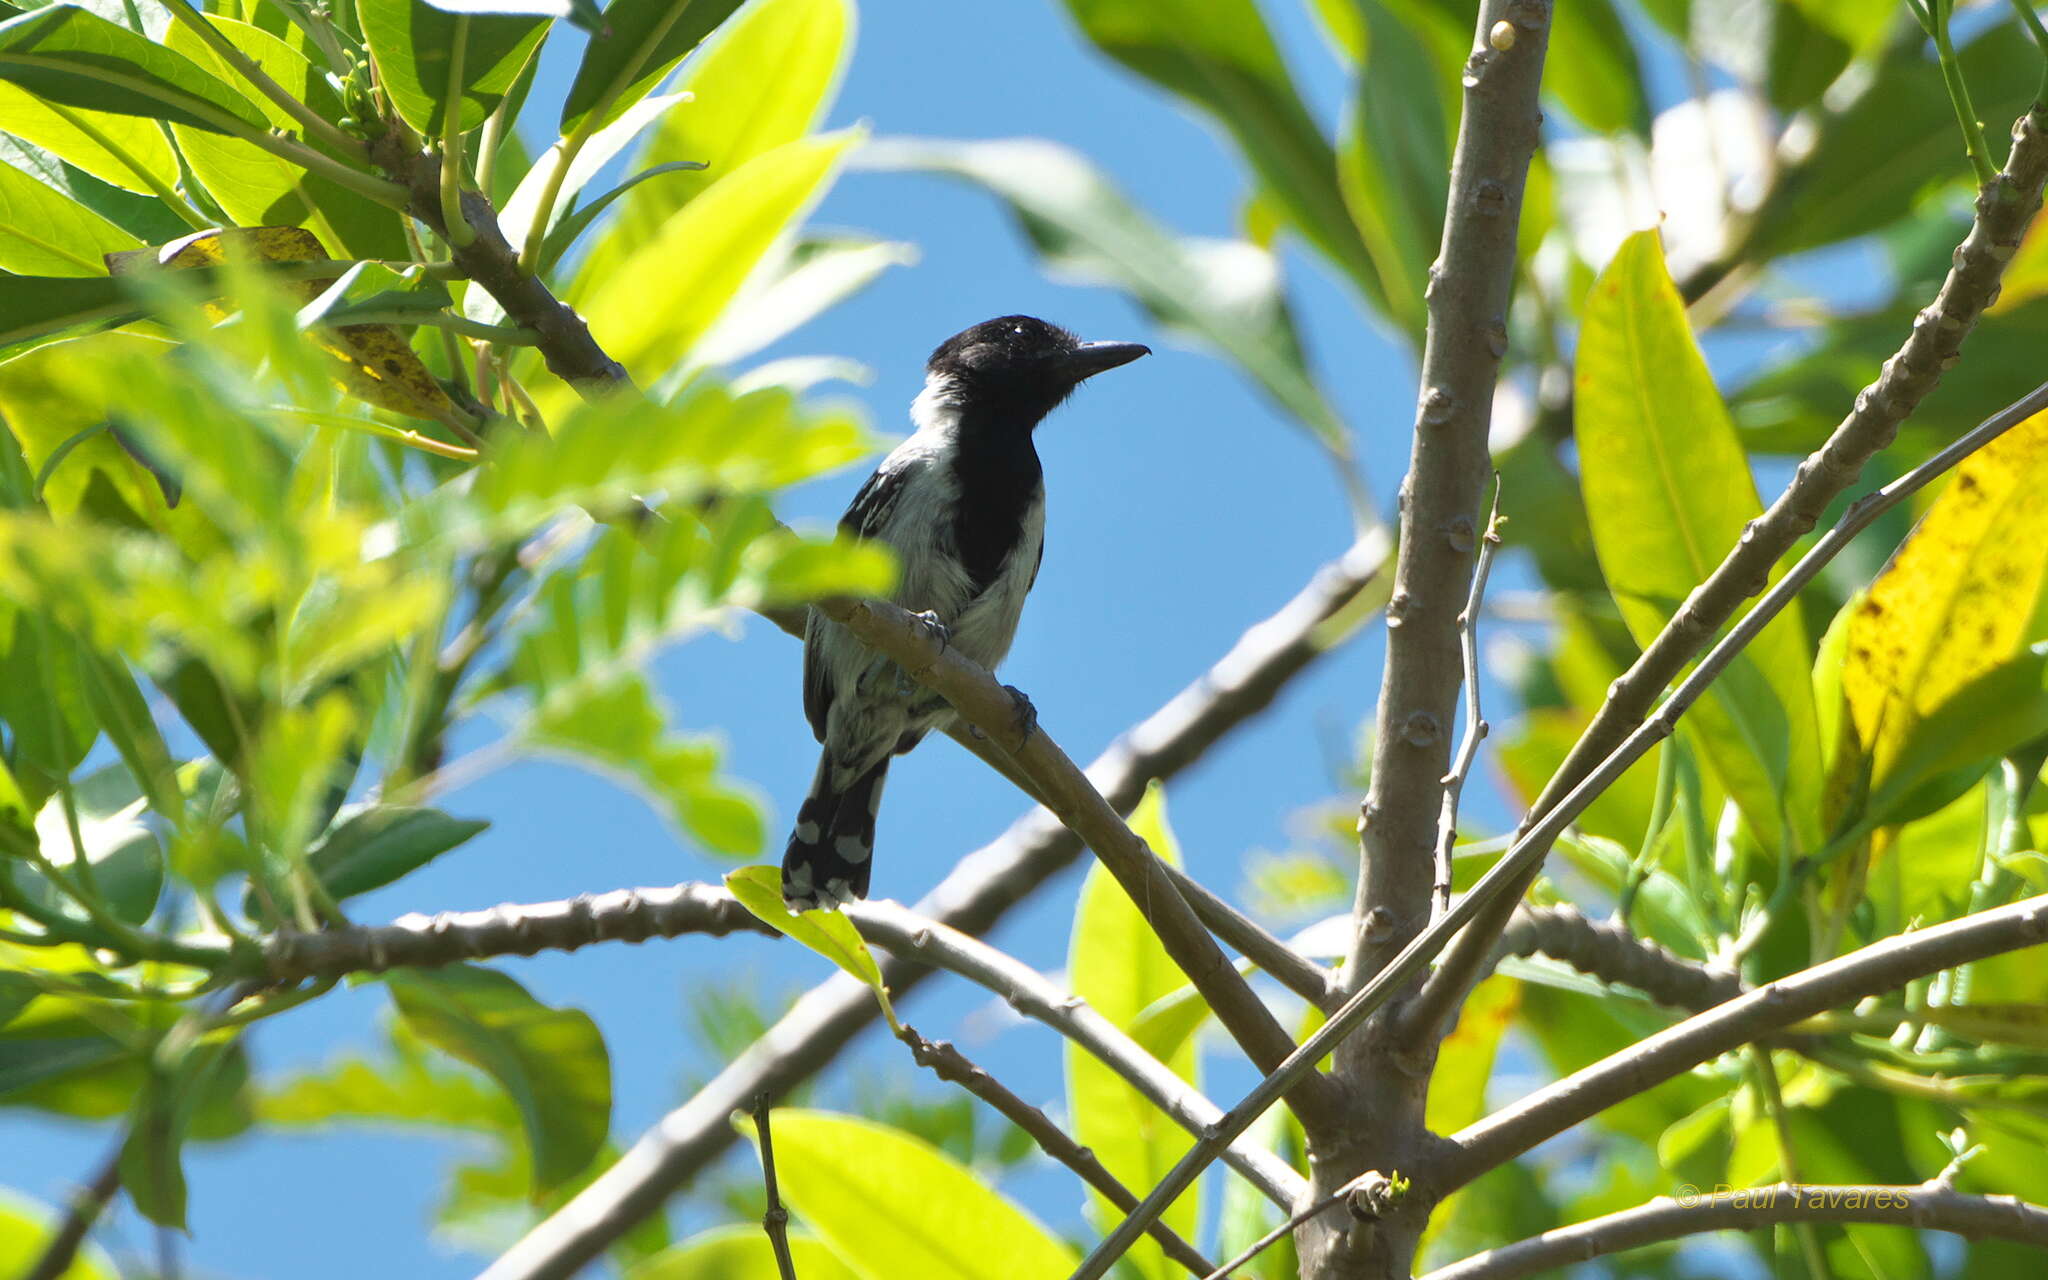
pixel 1475 723
pixel 87 1203
pixel 775 1219
pixel 989 706
pixel 1930 1206
pixel 1528 850
pixel 980 891
pixel 622 915
pixel 2004 208
pixel 1882 966
pixel 1613 954
pixel 948 1063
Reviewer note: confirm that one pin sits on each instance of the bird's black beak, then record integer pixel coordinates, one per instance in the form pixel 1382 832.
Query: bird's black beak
pixel 1091 358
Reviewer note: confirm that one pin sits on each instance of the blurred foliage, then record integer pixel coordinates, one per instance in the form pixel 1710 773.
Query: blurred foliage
pixel 288 507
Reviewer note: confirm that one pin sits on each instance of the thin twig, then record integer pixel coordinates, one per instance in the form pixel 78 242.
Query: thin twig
pixel 948 1063
pixel 2004 208
pixel 1475 723
pixel 1528 850
pixel 775 1219
pixel 87 1203
pixel 1929 1206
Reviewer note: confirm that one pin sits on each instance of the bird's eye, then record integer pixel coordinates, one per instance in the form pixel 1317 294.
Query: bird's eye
pixel 1018 330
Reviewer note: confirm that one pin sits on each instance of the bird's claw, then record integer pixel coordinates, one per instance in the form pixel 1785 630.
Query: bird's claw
pixel 939 630
pixel 1026 722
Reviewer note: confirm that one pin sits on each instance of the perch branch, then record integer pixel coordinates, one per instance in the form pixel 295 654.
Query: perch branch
pixel 1613 954
pixel 980 891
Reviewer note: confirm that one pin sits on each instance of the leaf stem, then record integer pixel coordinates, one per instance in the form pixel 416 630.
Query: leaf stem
pixel 455 227
pixel 1959 90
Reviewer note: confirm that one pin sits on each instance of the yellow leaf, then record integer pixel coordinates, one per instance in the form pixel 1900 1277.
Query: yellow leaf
pixel 1962 596
pixel 376 365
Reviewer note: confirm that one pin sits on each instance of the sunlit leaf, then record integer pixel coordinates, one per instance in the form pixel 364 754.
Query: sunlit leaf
pixel 129 152
pixel 71 56
pixel 704 254
pixel 25 1231
pixel 1668 493
pixel 1394 163
pixel 762 80
pixel 414 44
pixel 552 1063
pixel 1117 964
pixel 888 1204
pixel 640 41
pixel 43 232
pixel 379 843
pixel 828 933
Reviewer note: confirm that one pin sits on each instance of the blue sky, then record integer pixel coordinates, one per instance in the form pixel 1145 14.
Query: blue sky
pixel 1181 509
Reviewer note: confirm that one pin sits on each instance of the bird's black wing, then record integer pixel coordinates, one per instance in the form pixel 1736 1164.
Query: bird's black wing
pixel 865 517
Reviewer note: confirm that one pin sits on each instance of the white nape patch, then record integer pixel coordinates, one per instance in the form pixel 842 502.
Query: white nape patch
pixel 807 833
pixel 937 407
pixel 851 848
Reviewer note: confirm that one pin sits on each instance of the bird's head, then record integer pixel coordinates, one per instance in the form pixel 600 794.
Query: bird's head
pixel 1020 366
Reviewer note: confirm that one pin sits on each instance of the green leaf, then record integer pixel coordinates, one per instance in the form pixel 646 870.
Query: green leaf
pixel 891 1205
pixel 409 1088
pixel 41 306
pixel 1591 67
pixel 763 80
pixel 1394 164
pixel 71 56
pixel 1116 963
pixel 379 843
pixel 1668 493
pixel 741 1253
pixel 551 1062
pixel 259 189
pixel 25 1230
pixel 167 1111
pixel 601 149
pixel 414 45
pixel 1227 295
pixel 706 253
pixel 642 39
pixel 126 151
pixel 126 859
pixel 1219 55
pixel 828 933
pixel 43 231
pixel 818 275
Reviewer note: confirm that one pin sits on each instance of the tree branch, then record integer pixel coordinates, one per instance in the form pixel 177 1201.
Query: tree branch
pixel 1882 966
pixel 948 1063
pixel 87 1203
pixel 908 641
pixel 622 915
pixel 1931 1205
pixel 980 891
pixel 2004 208
pixel 1528 850
pixel 1613 954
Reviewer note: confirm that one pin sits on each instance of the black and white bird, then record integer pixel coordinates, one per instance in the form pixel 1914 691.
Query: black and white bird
pixel 962 504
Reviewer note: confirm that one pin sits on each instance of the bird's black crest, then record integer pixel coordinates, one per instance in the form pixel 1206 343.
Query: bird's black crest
pixel 1004 345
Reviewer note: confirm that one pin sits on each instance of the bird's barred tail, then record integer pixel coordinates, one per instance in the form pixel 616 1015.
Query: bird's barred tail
pixel 831 851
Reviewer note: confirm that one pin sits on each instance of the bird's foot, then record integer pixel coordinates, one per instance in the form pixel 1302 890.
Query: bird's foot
pixel 1026 722
pixel 939 630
